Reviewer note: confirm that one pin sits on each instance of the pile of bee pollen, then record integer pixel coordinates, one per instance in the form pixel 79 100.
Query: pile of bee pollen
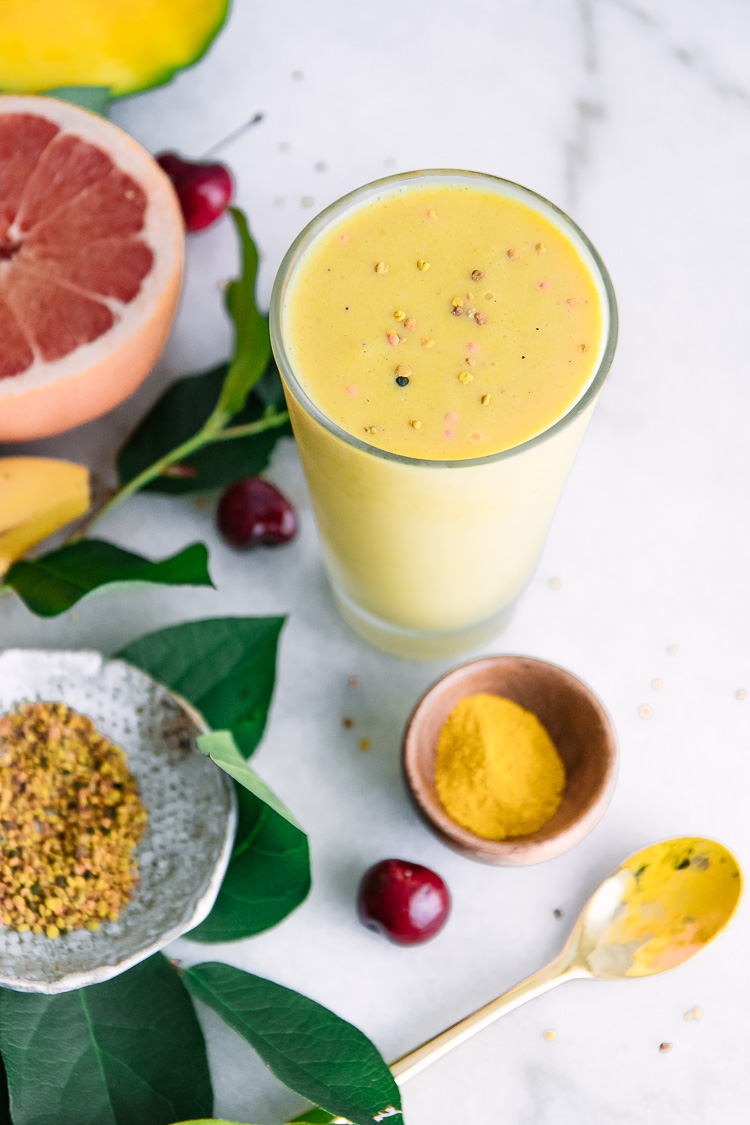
pixel 71 817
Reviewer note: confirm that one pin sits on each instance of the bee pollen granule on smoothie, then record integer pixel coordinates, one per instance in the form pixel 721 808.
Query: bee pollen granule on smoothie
pixel 498 772
pixel 71 816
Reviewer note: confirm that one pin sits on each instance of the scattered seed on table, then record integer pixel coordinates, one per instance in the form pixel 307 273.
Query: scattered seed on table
pixel 486 400
pixel 422 265
pixel 410 323
pixel 465 377
pixel 645 711
pixel 555 583
pixel 657 685
pixel 399 314
pixel 664 1047
pixel 671 650
pixel 740 693
pixel 557 912
pixel 364 744
pixel 415 424
pixel 480 318
pixel 477 275
pixel 354 681
pixel 540 248
pixel 347 723
pixel 550 1035
pixel 381 267
pixel 513 255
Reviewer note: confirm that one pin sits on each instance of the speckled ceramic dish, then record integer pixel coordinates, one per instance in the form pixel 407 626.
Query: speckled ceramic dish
pixel 191 817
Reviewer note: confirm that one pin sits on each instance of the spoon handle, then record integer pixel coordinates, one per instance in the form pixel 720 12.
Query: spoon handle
pixel 550 976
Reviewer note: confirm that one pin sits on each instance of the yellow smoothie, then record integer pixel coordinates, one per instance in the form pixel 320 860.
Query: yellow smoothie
pixel 444 322
pixel 432 332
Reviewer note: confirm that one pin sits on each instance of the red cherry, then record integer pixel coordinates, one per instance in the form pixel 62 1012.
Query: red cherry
pixel 252 511
pixel 204 190
pixel 406 902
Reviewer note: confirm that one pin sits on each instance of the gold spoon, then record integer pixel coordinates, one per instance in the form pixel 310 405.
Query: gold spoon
pixel 657 910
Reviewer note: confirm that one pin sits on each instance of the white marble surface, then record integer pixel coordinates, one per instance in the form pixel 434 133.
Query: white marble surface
pixel 634 116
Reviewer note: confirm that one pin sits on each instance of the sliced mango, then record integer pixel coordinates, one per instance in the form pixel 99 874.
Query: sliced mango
pixel 128 45
pixel 38 495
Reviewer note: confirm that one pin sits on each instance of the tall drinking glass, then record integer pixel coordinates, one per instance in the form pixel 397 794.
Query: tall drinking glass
pixel 426 557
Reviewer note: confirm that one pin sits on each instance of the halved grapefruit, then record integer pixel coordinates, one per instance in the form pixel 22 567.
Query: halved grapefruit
pixel 91 252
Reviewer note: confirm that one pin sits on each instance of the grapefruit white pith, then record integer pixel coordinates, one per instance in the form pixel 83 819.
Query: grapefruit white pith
pixel 91 253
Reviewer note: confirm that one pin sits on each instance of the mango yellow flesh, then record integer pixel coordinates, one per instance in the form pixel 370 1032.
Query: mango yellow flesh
pixel 127 45
pixel 677 898
pixel 38 495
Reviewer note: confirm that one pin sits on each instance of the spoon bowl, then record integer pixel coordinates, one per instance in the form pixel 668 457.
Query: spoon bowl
pixel 662 906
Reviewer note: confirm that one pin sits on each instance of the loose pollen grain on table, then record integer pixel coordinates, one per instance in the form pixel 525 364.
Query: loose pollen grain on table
pixel 70 818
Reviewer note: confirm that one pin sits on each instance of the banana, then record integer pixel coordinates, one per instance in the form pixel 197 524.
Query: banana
pixel 38 495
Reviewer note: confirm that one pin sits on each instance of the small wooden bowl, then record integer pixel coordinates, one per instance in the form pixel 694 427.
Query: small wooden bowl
pixel 578 725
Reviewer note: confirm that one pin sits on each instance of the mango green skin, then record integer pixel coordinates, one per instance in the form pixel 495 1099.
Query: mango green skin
pixel 125 45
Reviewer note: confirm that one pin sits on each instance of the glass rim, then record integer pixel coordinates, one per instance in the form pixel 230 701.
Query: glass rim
pixel 325 217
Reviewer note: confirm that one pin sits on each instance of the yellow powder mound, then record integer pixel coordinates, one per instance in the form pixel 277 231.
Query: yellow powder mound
pixel 498 772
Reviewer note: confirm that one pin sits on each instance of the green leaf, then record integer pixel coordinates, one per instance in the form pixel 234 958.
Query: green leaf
pixel 127 1052
pixel 269 872
pixel 224 666
pixel 221 748
pixel 267 878
pixel 181 412
pixel 5 1118
pixel 54 582
pixel 311 1050
pixel 94 98
pixel 252 348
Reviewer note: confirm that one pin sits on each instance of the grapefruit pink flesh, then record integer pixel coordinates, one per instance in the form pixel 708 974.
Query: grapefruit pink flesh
pixel 70 238
pixel 79 241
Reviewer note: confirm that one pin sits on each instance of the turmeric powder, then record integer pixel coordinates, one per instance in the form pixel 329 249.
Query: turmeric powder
pixel 498 772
